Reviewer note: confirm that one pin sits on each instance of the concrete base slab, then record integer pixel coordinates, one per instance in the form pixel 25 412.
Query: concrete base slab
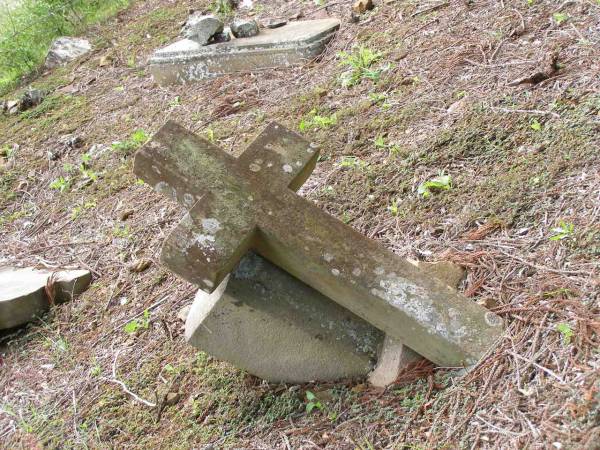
pixel 292 44
pixel 23 293
pixel 267 322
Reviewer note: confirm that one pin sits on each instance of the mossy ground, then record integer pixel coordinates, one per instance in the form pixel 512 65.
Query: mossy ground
pixel 522 160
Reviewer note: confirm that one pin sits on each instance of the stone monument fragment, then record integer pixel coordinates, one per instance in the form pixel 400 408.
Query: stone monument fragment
pixel 28 293
pixel 295 43
pixel 244 28
pixel 248 203
pixel 66 49
pixel 200 28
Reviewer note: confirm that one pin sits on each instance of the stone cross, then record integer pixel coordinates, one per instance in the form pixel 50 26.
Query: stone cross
pixel 249 203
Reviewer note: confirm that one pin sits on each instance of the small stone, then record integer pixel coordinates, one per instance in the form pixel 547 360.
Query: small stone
pixel 183 313
pixel 66 49
pixel 221 37
pixel 244 28
pixel 126 214
pixel 172 398
pixel 97 150
pixel 353 17
pixel 105 61
pixel 201 28
pixel 30 99
pixel 488 303
pixel 362 6
pixel 274 23
pixel 140 265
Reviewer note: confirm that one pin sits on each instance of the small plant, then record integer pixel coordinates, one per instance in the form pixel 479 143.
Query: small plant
pixel 560 18
pixel 350 162
pixel 312 402
pixel 380 142
pixel 439 183
pixel 566 332
pixel 562 231
pixel 135 141
pixel 317 121
pixel 138 324
pixel 377 97
pixel 210 135
pixel 393 208
pixel 122 231
pixel 78 210
pixel 359 63
pixel 535 125
pixel 223 8
pixel 60 184
pixel 175 102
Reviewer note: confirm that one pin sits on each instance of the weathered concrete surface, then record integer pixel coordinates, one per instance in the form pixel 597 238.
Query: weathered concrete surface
pixel 292 44
pixel 394 356
pixel 248 203
pixel 66 49
pixel 23 293
pixel 274 326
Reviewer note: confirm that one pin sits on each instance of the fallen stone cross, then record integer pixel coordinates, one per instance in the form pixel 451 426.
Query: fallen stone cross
pixel 249 203
pixel 189 60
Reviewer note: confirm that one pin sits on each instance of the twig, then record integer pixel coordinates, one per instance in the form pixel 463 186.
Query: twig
pixel 430 9
pixel 535 112
pixel 115 380
pixel 545 369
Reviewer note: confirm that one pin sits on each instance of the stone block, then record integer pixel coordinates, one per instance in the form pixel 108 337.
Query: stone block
pixel 24 293
pixel 292 44
pixel 272 325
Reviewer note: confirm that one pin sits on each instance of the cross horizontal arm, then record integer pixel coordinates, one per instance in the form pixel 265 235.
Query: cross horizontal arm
pixel 280 156
pixel 205 247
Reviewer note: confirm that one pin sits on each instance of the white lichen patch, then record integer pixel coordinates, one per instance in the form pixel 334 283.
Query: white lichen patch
pixel 335 272
pixel 188 200
pixel 166 189
pixel 299 163
pixel 254 167
pixel 414 301
pixel 204 241
pixel 356 272
pixel 287 168
pixel 155 169
pixel 208 283
pixel 211 225
pixel 328 257
pixel 379 271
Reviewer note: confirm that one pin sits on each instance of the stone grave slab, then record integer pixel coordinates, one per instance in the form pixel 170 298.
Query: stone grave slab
pixel 24 292
pixel 296 43
pixel 272 325
pixel 248 203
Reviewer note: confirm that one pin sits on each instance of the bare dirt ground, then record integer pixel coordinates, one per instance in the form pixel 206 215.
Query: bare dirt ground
pixel 502 96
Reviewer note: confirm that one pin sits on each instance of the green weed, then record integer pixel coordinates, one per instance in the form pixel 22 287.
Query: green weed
pixel 439 183
pixel 135 141
pixel 359 63
pixel 562 231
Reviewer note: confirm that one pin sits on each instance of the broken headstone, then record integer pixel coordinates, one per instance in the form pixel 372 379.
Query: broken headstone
pixel 274 326
pixel 249 203
pixel 274 23
pixel 201 28
pixel 66 49
pixel 295 43
pixel 28 293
